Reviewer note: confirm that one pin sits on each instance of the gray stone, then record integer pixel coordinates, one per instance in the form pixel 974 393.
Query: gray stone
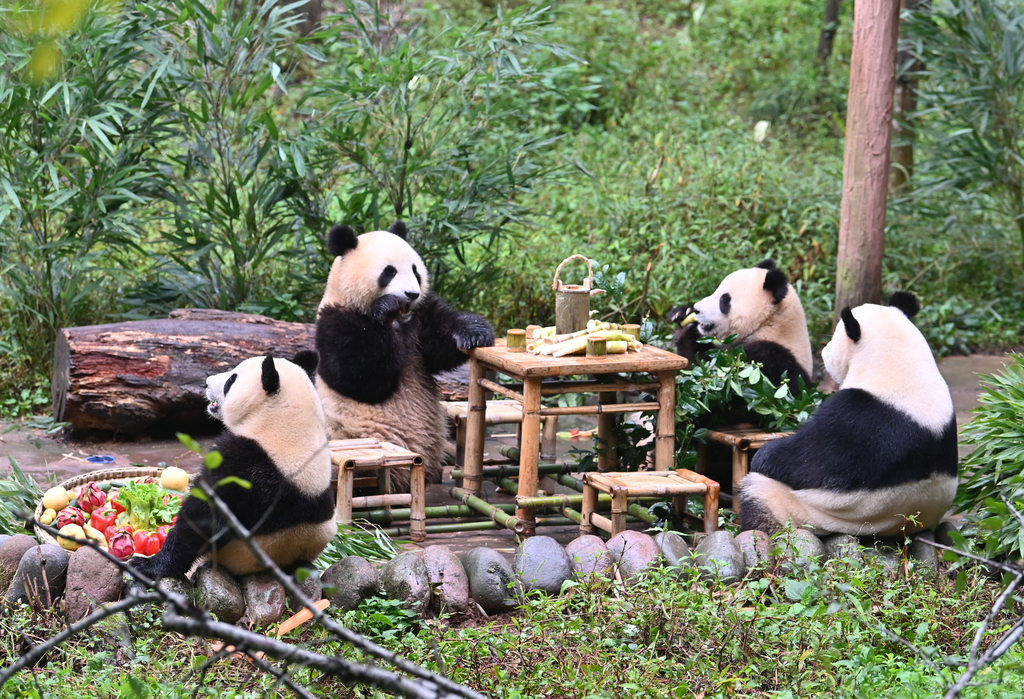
pixel 589 556
pixel 887 556
pixel 448 579
pixel 924 556
pixel 718 557
pixel 349 581
pixel 843 547
pixel 491 579
pixel 800 549
pixel 92 581
pixel 180 586
pixel 756 547
pixel 219 593
pixel 11 551
pixel 3 538
pixel 405 578
pixel 312 587
pixel 41 576
pixel 115 627
pixel 675 550
pixel 634 552
pixel 542 564
pixel 942 533
pixel 264 599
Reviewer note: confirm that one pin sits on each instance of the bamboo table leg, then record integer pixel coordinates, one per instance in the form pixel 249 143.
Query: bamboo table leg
pixel 344 502
pixel 530 452
pixel 588 508
pixel 417 507
pixel 619 507
pixel 739 470
pixel 607 459
pixel 711 508
pixel 665 443
pixel 472 472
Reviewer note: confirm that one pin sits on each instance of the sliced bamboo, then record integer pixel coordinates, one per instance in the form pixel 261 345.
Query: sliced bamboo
pixel 632 329
pixel 515 340
pixel 597 345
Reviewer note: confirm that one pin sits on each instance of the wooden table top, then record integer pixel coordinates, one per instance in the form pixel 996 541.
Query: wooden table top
pixel 522 364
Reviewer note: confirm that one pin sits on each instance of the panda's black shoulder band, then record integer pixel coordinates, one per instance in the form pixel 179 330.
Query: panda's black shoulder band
pixel 307 360
pixel 775 282
pixel 399 229
pixel 766 264
pixel 271 379
pixel 341 239
pixel 906 302
pixel 851 324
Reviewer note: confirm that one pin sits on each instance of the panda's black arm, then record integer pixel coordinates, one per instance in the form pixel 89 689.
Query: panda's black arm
pixel 188 539
pixel 360 358
pixel 444 334
pixel 777 362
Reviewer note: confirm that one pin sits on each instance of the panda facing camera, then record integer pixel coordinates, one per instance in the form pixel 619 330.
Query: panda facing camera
pixel 879 456
pixel 275 440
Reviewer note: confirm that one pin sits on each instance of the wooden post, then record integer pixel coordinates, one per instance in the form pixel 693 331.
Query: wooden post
pixel 829 25
pixel 619 507
pixel 472 479
pixel 344 502
pixel 665 441
pixel 866 160
pixel 529 456
pixel 606 457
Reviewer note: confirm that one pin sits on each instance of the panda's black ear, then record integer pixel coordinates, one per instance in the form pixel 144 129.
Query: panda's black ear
pixel 399 229
pixel 308 360
pixel 775 282
pixel 341 239
pixel 851 324
pixel 906 302
pixel 271 379
pixel 766 264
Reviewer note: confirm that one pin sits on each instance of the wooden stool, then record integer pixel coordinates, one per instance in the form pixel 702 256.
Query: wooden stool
pixel 351 455
pixel 622 486
pixel 744 440
pixel 499 412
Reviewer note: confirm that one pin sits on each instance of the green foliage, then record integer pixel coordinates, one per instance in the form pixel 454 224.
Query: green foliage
pixel 364 540
pixel 992 477
pixel 19 495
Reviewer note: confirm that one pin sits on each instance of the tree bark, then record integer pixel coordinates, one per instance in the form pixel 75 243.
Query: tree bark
pixel 149 376
pixel 906 103
pixel 866 159
pixel 829 26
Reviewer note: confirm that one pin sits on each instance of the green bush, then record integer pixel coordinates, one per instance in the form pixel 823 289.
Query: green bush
pixel 992 477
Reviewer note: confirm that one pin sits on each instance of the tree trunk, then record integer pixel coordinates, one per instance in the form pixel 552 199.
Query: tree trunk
pixel 314 12
pixel 149 376
pixel 829 26
pixel 866 159
pixel 906 103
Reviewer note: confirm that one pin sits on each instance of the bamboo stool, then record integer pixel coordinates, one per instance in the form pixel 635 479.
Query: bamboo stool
pixel 350 455
pixel 622 486
pixel 499 412
pixel 744 440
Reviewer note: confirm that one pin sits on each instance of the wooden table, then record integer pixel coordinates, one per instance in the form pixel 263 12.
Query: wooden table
pixel 530 369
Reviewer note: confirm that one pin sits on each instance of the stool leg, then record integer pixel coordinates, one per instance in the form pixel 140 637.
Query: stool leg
pixel 702 459
pixel 739 470
pixel 472 469
pixel 589 506
pixel 619 510
pixel 460 443
pixel 679 509
pixel 530 452
pixel 549 442
pixel 417 508
pixel 344 505
pixel 711 508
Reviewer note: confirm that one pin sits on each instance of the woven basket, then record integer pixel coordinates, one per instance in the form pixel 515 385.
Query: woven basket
pixel 105 476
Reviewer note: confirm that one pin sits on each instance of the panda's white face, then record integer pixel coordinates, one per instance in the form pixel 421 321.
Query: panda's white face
pixel 739 306
pixel 381 264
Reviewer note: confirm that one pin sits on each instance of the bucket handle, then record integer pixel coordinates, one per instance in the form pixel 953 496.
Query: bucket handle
pixel 587 283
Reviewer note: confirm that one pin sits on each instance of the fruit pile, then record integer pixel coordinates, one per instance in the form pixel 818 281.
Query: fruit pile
pixel 128 519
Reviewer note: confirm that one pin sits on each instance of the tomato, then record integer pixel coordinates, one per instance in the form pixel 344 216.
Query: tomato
pixel 102 518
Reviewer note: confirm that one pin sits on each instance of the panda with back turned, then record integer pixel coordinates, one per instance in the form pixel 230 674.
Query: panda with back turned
pixel 275 440
pixel 879 456
pixel 382 337
pixel 762 309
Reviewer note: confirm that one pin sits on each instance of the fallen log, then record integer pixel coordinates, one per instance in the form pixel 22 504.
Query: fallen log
pixel 148 377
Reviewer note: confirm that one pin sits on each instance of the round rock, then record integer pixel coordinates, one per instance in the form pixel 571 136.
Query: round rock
pixel 311 587
pixel 447 579
pixel 634 552
pixel 349 581
pixel 718 557
pixel 542 564
pixel 589 556
pixel 674 549
pixel 11 551
pixel 405 578
pixel 264 599
pixel 491 579
pixel 756 547
pixel 843 547
pixel 92 581
pixel 887 556
pixel 30 581
pixel 800 550
pixel 219 593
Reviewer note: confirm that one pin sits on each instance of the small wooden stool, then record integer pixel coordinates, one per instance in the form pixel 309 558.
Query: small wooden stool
pixel 499 412
pixel 744 440
pixel 622 486
pixel 351 455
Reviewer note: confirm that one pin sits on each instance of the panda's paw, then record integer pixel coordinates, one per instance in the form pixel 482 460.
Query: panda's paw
pixel 145 566
pixel 474 332
pixel 388 308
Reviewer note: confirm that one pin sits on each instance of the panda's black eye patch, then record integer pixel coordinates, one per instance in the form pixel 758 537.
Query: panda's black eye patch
pixel 227 384
pixel 386 276
pixel 724 304
pixel 416 273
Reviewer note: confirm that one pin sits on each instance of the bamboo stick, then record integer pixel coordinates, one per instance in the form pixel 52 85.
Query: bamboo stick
pixel 381 500
pixel 600 408
pixel 498 388
pixel 515 524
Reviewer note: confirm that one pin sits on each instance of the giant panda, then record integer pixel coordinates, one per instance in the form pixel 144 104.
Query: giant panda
pixel 276 440
pixel 382 336
pixel 762 309
pixel 880 450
